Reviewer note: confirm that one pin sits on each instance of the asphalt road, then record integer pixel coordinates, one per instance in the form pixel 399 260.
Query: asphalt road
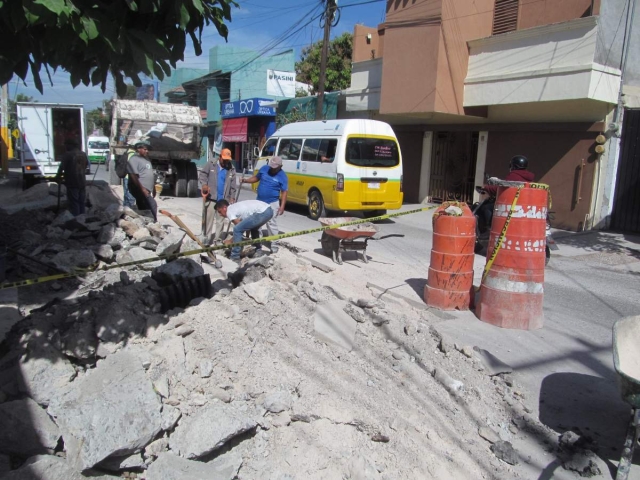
pixel 565 369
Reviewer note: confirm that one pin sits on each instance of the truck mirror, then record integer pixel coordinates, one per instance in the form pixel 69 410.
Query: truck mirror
pixel 256 152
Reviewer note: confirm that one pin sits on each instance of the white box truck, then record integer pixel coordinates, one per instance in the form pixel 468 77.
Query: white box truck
pixel 174 133
pixel 44 128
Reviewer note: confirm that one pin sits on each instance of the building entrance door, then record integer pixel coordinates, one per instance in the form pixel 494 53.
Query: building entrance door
pixel 626 200
pixel 453 166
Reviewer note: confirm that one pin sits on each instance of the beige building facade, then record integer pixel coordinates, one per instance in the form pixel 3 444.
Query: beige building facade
pixel 467 84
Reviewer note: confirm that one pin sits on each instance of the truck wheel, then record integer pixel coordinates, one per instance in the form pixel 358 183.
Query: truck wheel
pixel 181 180
pixel 192 180
pixel 316 205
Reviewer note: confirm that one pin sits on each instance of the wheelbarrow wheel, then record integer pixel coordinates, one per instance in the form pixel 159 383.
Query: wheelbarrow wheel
pixel 316 205
pixel 327 244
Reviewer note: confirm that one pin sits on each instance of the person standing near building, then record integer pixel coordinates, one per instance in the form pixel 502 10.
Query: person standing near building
pixel 142 179
pixel 72 168
pixel 272 190
pixel 217 182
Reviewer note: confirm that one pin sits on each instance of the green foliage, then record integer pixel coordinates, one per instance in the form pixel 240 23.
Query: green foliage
pixel 99 119
pixel 91 39
pixel 338 72
pixel 303 113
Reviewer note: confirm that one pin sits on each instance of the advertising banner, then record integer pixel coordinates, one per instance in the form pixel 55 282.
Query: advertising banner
pixel 281 84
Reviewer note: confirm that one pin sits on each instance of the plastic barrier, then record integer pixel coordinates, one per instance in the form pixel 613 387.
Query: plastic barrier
pixel 512 292
pixel 450 282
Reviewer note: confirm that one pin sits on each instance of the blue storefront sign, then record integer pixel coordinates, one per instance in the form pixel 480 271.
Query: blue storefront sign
pixel 250 107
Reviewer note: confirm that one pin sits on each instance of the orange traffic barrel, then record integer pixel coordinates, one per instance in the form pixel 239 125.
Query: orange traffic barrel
pixel 511 292
pixel 450 282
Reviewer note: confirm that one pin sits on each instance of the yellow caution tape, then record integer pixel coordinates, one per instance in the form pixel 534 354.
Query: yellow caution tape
pixel 502 235
pixel 82 271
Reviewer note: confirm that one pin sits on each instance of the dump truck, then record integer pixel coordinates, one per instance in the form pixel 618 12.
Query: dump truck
pixel 174 133
pixel 44 129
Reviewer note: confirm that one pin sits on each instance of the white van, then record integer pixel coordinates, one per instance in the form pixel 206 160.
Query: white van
pixel 97 149
pixel 352 164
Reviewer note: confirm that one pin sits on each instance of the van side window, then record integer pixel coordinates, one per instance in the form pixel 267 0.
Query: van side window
pixel 310 149
pixel 269 148
pixel 289 149
pixel 327 150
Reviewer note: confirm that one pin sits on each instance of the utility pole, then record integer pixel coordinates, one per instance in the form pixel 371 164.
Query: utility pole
pixel 329 17
pixel 4 130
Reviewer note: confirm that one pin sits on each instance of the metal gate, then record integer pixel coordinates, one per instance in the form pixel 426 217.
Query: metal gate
pixel 626 201
pixel 453 166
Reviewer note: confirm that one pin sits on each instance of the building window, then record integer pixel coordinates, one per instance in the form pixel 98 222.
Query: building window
pixel 505 16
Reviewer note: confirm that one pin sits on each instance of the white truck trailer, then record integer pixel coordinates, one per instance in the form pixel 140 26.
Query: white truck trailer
pixel 44 128
pixel 174 133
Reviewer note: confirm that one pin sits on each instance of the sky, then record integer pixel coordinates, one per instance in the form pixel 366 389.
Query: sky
pixel 256 24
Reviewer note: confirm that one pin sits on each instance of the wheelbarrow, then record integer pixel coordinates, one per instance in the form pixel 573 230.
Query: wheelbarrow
pixel 626 359
pixel 336 241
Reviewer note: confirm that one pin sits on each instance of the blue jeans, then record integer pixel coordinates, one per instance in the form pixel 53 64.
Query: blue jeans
pixel 129 200
pixel 76 198
pixel 253 223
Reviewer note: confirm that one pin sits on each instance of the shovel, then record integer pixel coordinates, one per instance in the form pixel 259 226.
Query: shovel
pixel 180 223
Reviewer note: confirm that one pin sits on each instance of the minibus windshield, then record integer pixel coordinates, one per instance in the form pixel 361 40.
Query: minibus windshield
pixel 98 145
pixel 372 152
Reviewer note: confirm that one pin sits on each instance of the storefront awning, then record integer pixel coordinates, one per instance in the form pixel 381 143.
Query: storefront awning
pixel 234 129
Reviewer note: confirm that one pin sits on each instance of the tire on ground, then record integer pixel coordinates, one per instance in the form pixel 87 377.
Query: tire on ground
pixel 192 180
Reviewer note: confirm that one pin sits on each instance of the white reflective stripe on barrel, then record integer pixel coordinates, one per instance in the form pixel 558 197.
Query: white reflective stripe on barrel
pixel 521 211
pixel 506 285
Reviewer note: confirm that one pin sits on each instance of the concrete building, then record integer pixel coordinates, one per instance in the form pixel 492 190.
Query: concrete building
pixel 238 79
pixel 467 84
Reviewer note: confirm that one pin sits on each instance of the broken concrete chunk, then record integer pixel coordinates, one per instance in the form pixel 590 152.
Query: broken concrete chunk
pixel 63 218
pixel 103 252
pixel 129 228
pixel 141 233
pixel 170 416
pixel 44 372
pixel 492 364
pixel 156 230
pixel 446 346
pixel 277 402
pixel 355 312
pixel 171 467
pixel 184 330
pixel 171 243
pixel 138 254
pixel 488 434
pixel 452 385
pixel 156 447
pixel 26 429
pixel 260 291
pixel 367 302
pixel 206 368
pixel 331 324
pixel 112 410
pixel 505 452
pixel 80 341
pixel 69 260
pixel 115 464
pixel 209 429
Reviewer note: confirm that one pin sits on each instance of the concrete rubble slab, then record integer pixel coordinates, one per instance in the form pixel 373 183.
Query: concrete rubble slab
pixel 112 410
pixel 9 312
pixel 171 243
pixel 26 429
pixel 331 324
pixel 209 429
pixel 171 467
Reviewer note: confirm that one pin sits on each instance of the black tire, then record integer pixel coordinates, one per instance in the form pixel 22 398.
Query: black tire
pixel 192 180
pixel 180 189
pixel 316 205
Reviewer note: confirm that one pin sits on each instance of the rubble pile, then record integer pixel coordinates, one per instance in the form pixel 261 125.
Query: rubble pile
pixel 283 373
